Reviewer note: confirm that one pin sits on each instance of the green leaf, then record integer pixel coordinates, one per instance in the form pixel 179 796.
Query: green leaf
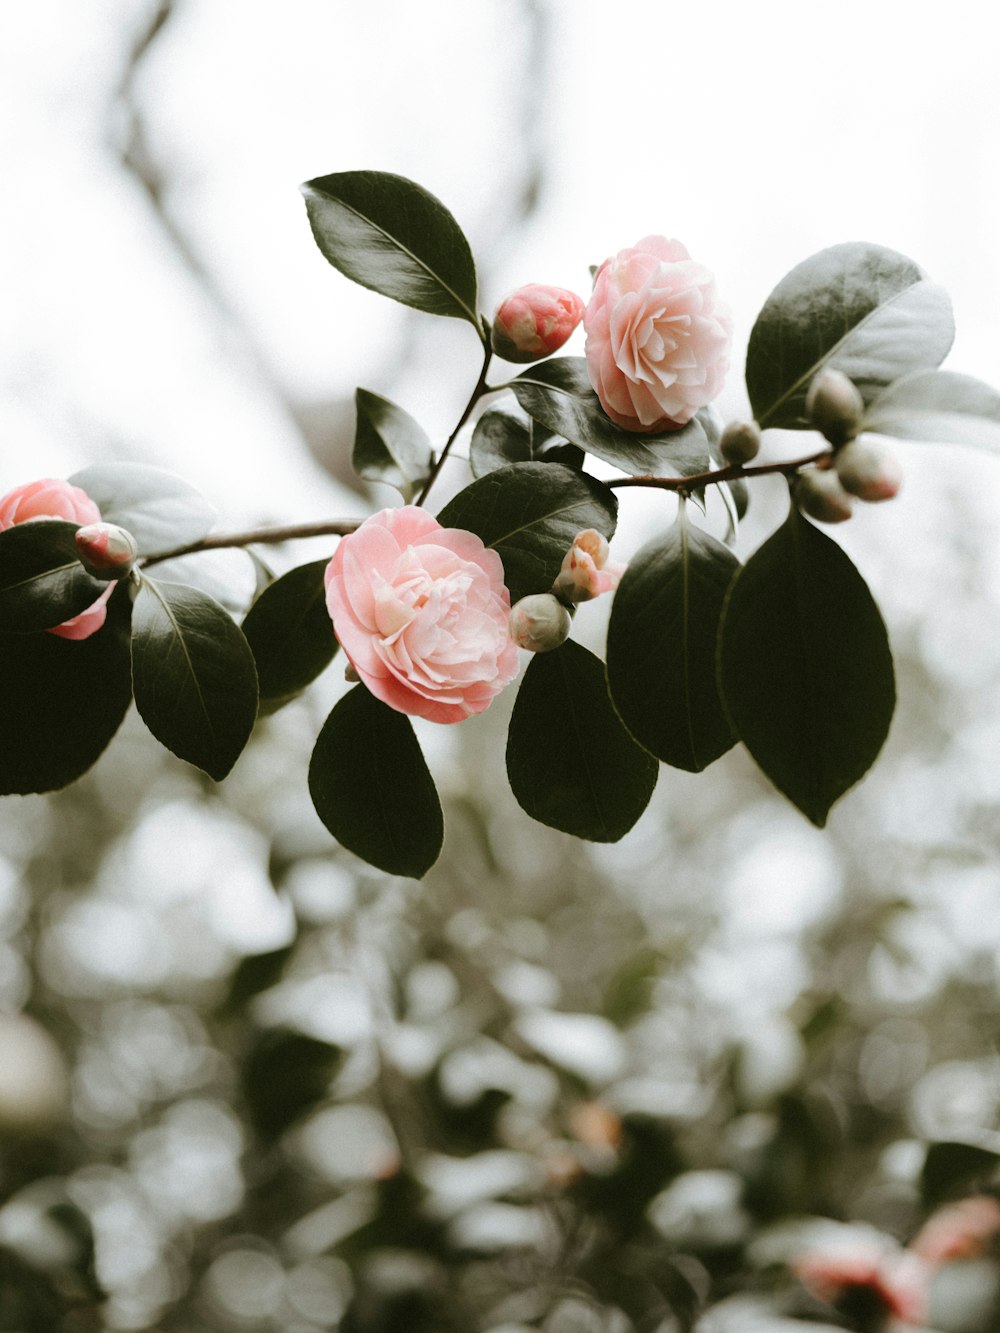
pixel 938 406
pixel 193 675
pixel 662 643
pixel 805 667
pixel 954 1167
pixel 558 393
pixel 160 510
pixel 389 445
pixel 498 441
pixel 529 513
pixel 42 582
pixel 859 308
pixel 284 1075
pixel 372 789
pixel 290 632
pixel 61 701
pixel 392 236
pixel 571 763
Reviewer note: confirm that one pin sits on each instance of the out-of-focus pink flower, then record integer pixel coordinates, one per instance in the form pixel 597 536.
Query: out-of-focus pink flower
pixel 960 1230
pixel 534 322
pixel 421 612
pixel 892 1277
pixel 657 336
pixel 52 498
pixel 586 571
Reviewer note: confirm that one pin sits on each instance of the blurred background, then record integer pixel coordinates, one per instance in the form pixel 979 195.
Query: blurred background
pixel 247 1083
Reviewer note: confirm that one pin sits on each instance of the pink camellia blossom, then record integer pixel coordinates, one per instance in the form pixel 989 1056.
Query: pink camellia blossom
pixel 534 322
pixel 892 1280
pixel 962 1230
pixel 658 337
pixel 52 498
pixel 421 612
pixel 586 570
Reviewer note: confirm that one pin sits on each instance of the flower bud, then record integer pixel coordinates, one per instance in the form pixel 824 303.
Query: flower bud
pixel 586 571
pixel 868 470
pixel 740 442
pixel 534 322
pixel 819 494
pixel 539 623
pixel 106 551
pixel 834 406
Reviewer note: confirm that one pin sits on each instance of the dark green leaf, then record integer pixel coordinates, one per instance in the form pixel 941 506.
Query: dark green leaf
pixel 42 582
pixel 252 976
pixel 559 395
pixel 392 236
pixel 290 632
pixel 938 406
pixel 498 441
pixel 571 763
pixel 805 667
pixel 61 701
pixel 953 1168
pixel 160 510
pixel 662 642
pixel 389 445
pixel 530 513
pixel 372 789
pixel 193 675
pixel 285 1075
pixel 859 308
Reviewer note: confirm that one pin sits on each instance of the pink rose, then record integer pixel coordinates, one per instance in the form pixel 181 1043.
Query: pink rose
pixel 421 612
pixel 534 322
pixel 586 570
pixel 657 336
pixel 52 498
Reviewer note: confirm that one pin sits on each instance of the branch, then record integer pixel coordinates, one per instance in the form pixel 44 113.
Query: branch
pixel 216 541
pixel 731 473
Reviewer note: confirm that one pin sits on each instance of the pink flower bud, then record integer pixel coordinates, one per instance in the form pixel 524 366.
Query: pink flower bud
pixel 586 571
pixel 534 322
pixel 819 494
pixel 106 551
pixel 869 471
pixel 835 406
pixel 540 623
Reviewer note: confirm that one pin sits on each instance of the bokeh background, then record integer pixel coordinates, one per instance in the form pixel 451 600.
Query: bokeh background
pixel 247 1083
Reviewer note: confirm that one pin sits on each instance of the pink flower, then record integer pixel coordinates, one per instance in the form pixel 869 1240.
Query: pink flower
pixel 421 612
pixel 959 1230
pixel 52 498
pixel 657 336
pixel 586 571
pixel 892 1279
pixel 534 322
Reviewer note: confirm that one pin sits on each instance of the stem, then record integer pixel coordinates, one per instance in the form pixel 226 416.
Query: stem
pixel 685 484
pixel 332 528
pixel 477 393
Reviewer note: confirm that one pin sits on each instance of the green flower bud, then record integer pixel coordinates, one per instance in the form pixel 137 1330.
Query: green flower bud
pixel 106 551
pixel 540 623
pixel 740 442
pixel 818 493
pixel 868 470
pixel 834 406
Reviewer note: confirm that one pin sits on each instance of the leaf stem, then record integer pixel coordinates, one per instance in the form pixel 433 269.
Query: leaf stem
pixel 325 528
pixel 477 393
pixel 734 470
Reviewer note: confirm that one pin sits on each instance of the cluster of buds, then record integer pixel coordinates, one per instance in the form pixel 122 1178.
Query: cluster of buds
pixel 542 621
pixel 859 469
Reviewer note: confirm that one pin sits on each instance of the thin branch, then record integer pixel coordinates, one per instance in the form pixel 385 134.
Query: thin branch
pixel 340 527
pixel 731 473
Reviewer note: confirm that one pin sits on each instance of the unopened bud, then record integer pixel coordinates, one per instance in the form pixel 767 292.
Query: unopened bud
pixel 740 442
pixel 534 322
pixel 540 623
pixel 835 406
pixel 106 551
pixel 869 471
pixel 819 494
pixel 586 571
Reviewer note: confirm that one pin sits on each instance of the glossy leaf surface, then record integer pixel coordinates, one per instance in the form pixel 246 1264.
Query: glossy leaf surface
pixel 290 633
pixel 570 761
pixel 938 406
pixel 500 439
pixel 372 789
pixel 42 582
pixel 193 675
pixel 389 446
pixel 391 235
pixel 160 510
pixel 529 513
pixel 662 647
pixel 805 668
pixel 859 308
